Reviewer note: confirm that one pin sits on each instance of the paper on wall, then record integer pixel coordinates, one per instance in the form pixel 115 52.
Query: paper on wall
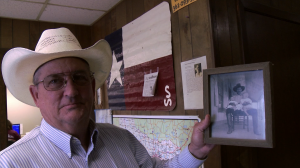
pixel 192 82
pixel 149 84
pixel 103 116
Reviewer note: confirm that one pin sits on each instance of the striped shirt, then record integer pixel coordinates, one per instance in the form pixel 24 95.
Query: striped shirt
pixel 110 146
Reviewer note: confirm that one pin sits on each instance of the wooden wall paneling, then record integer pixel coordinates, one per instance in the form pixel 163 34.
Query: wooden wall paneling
pixel 236 47
pixel 129 11
pixel 270 11
pixel 214 158
pixel 286 5
pixel 107 26
pixel 295 7
pixel 221 33
pixel 176 51
pixel 96 31
pixel 200 28
pixel 6 34
pixel 3 107
pixel 278 42
pixel 230 157
pixel 121 15
pixel 265 2
pixel 138 8
pixel 34 34
pixel 83 33
pixel 113 18
pixel 291 6
pixel 149 4
pixel 185 34
pixel 265 29
pixel 46 25
pixel 228 51
pixel 200 33
pixel 21 33
pixel 3 120
pixel 186 42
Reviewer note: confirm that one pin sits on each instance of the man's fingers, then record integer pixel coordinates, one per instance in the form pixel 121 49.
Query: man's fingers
pixel 204 123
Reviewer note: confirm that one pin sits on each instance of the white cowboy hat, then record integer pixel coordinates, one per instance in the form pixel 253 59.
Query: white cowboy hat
pixel 19 64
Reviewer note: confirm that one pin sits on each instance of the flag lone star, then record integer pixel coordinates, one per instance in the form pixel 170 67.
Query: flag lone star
pixel 115 71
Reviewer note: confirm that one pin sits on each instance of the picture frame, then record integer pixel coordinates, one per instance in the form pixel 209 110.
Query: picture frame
pixel 239 101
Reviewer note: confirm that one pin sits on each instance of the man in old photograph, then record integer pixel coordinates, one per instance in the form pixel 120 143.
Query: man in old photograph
pixel 240 105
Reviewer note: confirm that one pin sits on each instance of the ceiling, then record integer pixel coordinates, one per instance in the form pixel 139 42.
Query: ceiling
pixel 81 12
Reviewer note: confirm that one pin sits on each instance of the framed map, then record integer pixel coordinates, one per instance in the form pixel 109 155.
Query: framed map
pixel 163 136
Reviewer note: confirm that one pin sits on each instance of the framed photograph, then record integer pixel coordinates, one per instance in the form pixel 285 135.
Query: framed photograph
pixel 238 99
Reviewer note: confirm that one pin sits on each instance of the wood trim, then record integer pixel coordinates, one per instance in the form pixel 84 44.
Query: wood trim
pixel 3 108
pixel 269 11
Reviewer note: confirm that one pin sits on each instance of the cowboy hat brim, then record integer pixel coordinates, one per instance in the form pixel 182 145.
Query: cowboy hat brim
pixel 19 65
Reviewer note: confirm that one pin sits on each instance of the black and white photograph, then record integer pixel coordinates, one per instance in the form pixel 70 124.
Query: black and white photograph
pixel 198 70
pixel 238 100
pixel 237 106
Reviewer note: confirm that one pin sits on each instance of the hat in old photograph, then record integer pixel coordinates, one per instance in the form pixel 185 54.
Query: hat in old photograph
pixel 19 64
pixel 238 86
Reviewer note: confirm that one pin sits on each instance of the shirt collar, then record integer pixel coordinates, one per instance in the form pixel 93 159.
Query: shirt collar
pixel 63 140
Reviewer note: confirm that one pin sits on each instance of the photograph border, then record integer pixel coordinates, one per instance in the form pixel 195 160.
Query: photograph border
pixel 266 68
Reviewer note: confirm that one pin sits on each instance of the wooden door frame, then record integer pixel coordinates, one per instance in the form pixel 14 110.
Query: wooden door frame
pixel 228 28
pixel 3 107
pixel 246 5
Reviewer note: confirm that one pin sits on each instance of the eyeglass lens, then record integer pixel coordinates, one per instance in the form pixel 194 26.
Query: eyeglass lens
pixel 57 81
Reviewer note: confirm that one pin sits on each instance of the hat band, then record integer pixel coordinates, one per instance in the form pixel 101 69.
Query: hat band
pixel 52 40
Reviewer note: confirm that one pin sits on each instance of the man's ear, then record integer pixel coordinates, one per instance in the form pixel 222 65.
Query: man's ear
pixel 34 94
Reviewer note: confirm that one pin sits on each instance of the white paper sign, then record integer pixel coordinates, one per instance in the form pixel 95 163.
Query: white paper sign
pixel 192 82
pixel 103 116
pixel 149 84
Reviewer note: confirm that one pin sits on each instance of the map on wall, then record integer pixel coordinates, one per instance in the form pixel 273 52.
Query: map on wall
pixel 163 136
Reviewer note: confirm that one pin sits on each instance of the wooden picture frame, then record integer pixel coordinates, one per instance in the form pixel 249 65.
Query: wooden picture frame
pixel 238 99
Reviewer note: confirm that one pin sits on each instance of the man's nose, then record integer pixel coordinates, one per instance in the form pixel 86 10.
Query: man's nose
pixel 70 88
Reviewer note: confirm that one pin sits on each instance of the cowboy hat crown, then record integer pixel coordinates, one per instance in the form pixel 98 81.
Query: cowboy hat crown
pixel 238 86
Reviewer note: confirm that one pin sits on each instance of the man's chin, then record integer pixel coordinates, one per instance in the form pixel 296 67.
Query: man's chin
pixel 76 116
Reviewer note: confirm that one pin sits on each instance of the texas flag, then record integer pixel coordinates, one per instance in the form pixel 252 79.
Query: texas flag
pixel 141 47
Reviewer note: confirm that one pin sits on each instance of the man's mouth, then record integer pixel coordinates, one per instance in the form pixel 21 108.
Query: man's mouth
pixel 71 105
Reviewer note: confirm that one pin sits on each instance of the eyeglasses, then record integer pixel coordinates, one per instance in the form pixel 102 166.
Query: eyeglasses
pixel 58 81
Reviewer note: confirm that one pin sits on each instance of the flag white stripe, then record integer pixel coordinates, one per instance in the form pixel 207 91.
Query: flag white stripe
pixel 148 37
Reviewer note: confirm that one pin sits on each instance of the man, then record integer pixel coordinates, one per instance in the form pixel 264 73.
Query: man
pixel 12 135
pixel 233 107
pixel 240 105
pixel 62 79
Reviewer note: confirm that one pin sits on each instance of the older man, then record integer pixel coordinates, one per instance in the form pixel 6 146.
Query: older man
pixel 64 80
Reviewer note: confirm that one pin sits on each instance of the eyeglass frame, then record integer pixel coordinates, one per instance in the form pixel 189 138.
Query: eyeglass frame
pixel 65 79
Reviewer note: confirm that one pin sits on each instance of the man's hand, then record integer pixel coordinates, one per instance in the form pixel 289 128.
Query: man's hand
pixel 197 146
